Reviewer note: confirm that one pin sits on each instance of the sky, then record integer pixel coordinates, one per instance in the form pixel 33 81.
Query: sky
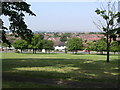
pixel 62 17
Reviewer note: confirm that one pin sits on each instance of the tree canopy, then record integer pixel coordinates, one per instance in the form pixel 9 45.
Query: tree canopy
pixel 74 44
pixel 48 45
pixel 111 18
pixel 100 45
pixel 90 46
pixel 114 47
pixel 20 44
pixel 15 11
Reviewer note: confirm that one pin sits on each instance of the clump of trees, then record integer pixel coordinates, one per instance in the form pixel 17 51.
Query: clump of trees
pixel 74 44
pixel 20 44
pixel 64 37
pixel 89 46
pixel 37 43
pixel 48 45
pixel 115 47
pixel 100 45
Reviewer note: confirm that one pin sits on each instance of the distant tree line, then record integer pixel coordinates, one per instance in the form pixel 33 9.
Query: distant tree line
pixel 37 43
pixel 101 46
pixel 74 44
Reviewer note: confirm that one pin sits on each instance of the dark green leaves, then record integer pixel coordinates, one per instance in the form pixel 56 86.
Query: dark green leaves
pixel 16 13
pixel 97 11
pixel 74 44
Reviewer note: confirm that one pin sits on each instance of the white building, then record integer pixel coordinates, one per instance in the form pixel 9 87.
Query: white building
pixel 59 46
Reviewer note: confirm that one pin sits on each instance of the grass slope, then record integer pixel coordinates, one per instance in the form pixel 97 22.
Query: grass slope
pixel 58 70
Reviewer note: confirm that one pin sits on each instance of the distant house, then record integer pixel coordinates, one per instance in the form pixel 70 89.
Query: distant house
pixel 93 39
pixel 90 37
pixel 59 46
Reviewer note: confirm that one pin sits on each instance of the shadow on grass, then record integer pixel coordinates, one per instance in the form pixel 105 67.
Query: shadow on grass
pixel 68 72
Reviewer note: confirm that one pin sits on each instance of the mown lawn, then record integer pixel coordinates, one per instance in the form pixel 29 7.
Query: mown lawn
pixel 59 71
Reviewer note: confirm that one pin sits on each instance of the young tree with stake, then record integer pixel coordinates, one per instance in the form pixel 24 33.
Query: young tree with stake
pixel 110 16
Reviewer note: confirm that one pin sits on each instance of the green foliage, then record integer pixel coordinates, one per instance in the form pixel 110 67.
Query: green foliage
pixel 111 18
pixel 16 11
pixel 48 44
pixel 114 46
pixel 63 38
pixel 36 42
pixel 20 44
pixel 3 34
pixel 74 44
pixel 56 34
pixel 39 44
pixel 67 34
pixel 100 45
pixel 5 45
pixel 90 46
pixel 41 36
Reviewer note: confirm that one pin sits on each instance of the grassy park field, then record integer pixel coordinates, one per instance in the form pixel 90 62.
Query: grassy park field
pixel 59 71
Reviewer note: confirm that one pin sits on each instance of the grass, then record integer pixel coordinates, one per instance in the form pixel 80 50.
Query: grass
pixel 57 70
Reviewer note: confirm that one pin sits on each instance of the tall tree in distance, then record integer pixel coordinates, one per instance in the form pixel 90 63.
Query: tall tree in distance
pixel 74 44
pixel 15 11
pixel 100 45
pixel 110 17
pixel 114 47
pixel 20 44
pixel 89 46
pixel 48 45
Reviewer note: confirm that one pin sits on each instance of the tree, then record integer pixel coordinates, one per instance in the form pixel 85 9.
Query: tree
pixel 40 45
pixel 16 11
pixel 3 34
pixel 20 44
pixel 114 46
pixel 5 45
pixel 74 44
pixel 63 38
pixel 36 43
pixel 111 20
pixel 101 45
pixel 41 36
pixel 89 46
pixel 48 45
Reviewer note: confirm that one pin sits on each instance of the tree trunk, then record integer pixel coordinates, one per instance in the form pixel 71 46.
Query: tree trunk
pixel 75 51
pixel 89 52
pixel 101 52
pixel 49 51
pixel 114 53
pixel 21 50
pixel 45 51
pixel 6 49
pixel 108 48
pixel 33 51
pixel 65 50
